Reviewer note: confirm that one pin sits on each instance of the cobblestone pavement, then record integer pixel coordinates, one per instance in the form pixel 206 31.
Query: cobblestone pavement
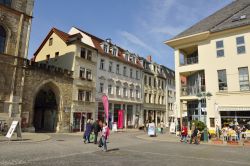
pixel 125 148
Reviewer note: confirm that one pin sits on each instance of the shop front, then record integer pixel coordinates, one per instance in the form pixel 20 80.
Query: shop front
pixel 79 120
pixel 235 116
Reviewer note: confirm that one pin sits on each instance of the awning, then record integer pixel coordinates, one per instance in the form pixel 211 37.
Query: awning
pixel 234 108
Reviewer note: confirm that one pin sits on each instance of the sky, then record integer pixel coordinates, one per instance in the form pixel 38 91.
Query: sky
pixel 140 26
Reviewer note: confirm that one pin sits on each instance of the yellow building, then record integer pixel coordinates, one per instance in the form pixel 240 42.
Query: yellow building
pixel 74 52
pixel 212 62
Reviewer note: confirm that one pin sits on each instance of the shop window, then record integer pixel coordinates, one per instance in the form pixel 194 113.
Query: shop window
pixel 2 39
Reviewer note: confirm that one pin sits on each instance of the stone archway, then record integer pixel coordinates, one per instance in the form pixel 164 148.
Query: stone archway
pixel 46 109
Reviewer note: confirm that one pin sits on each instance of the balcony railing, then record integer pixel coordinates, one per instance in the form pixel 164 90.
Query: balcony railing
pixel 190 61
pixel 192 90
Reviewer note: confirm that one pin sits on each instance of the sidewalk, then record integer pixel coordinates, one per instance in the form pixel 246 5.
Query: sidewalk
pixel 26 137
pixel 167 137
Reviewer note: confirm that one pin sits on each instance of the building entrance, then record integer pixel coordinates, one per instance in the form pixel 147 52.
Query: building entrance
pixel 45 111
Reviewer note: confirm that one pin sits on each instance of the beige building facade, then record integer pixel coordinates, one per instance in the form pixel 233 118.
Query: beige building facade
pixel 212 64
pixel 69 51
pixel 158 88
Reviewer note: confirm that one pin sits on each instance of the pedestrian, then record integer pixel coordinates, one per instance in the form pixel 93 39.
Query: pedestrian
pixel 96 129
pixel 184 133
pixel 146 125
pixel 87 132
pixel 161 126
pixel 105 134
pixel 218 131
pixel 194 136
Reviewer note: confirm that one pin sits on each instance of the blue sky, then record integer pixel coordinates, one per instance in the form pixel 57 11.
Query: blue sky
pixel 140 26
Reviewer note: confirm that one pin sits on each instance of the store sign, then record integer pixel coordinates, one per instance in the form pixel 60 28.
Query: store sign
pixel 14 125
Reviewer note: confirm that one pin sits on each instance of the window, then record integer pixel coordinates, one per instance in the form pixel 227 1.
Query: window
pixel 149 98
pixel 50 41
pixel 83 53
pixel 117 69
pixel 220 48
pixel 137 74
pixel 105 48
pixel 126 57
pixel 222 80
pixel 145 80
pixel 102 64
pixel 6 2
pixel 145 97
pixel 88 75
pixel 244 78
pixel 212 123
pixel 56 54
pixel 137 94
pixel 149 81
pixel 131 73
pixel 162 84
pixel 109 89
pixel 131 93
pixel 125 92
pixel 154 82
pixel 2 39
pixel 117 90
pixel 110 66
pixel 159 83
pixel 101 88
pixel 162 100
pixel 159 100
pixel 80 95
pixel 82 73
pixel 47 57
pixel 240 41
pixel 114 51
pixel 125 71
pixel 89 55
pixel 88 96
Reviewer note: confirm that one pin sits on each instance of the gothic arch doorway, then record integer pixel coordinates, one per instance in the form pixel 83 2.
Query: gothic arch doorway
pixel 45 110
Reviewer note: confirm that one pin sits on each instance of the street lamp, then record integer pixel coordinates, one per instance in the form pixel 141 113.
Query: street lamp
pixel 203 96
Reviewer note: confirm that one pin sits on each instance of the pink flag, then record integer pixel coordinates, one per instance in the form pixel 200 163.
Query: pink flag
pixel 106 106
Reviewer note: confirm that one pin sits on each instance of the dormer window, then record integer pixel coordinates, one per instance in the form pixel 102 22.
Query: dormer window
pixel 126 56
pixel 106 48
pixel 114 51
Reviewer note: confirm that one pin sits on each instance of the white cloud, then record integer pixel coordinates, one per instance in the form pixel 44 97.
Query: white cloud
pixel 133 39
pixel 168 30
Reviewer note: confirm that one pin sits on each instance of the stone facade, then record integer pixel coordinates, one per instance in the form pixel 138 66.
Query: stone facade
pixel 15 23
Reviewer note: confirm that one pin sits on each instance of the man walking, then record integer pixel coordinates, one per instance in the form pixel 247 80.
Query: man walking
pixel 97 129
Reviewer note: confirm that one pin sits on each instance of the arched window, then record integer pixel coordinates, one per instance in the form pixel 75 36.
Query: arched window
pixel 6 2
pixel 2 39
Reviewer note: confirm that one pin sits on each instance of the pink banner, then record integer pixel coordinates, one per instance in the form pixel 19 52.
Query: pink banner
pixel 106 106
pixel 120 119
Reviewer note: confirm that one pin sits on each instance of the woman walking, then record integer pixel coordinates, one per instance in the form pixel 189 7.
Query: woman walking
pixel 87 131
pixel 105 134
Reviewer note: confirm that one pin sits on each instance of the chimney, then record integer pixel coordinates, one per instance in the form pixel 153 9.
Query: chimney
pixel 149 58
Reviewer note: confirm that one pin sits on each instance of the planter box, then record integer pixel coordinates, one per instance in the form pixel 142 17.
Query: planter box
pixel 232 143
pixel 217 141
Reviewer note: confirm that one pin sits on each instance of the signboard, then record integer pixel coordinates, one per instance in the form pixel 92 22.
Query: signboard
pixel 151 129
pixel 172 127
pixel 14 125
pixel 114 127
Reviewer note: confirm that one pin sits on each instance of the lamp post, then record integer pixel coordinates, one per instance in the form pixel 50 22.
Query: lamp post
pixel 201 97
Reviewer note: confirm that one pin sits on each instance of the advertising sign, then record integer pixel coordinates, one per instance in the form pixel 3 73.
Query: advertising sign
pixel 151 129
pixel 14 125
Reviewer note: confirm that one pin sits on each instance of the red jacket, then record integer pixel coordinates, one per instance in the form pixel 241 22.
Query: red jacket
pixel 184 131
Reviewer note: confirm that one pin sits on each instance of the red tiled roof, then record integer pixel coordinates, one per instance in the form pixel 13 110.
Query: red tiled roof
pixel 97 43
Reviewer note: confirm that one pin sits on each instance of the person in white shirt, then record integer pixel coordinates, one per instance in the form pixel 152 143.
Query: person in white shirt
pixel 105 134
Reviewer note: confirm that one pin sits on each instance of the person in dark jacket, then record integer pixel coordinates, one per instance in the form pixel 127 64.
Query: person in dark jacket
pixel 96 129
pixel 87 131
pixel 194 136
